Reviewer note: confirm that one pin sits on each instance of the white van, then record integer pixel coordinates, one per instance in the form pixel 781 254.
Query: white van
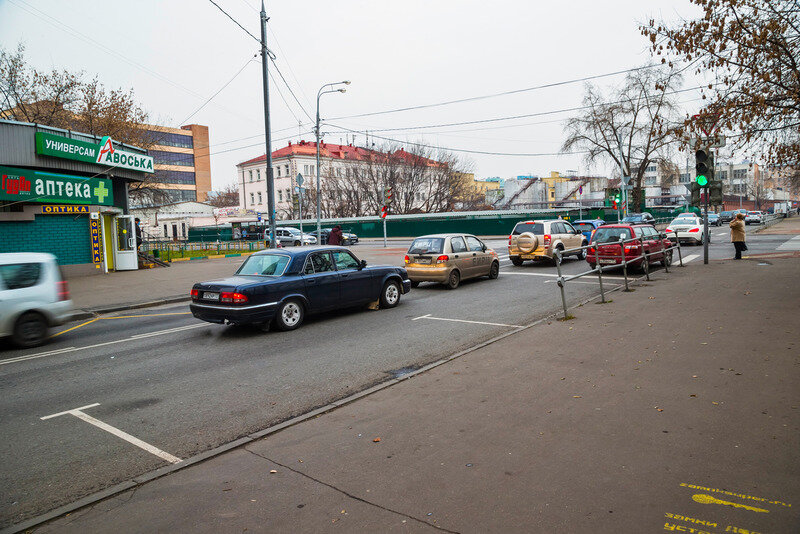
pixel 33 297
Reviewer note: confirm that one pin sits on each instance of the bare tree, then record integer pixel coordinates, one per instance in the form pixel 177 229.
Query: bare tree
pixel 642 113
pixel 224 197
pixel 752 50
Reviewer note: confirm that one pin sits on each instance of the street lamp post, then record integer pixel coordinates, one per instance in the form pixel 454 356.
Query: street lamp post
pixel 321 92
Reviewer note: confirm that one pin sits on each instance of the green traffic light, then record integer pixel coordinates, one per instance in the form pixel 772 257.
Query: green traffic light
pixel 701 180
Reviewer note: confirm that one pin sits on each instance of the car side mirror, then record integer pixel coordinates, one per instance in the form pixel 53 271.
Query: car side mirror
pixel 362 265
pixel 483 247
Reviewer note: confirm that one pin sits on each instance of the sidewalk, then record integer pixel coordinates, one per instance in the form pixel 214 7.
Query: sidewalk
pixel 673 406
pixel 790 225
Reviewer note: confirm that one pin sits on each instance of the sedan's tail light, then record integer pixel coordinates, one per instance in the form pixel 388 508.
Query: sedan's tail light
pixel 668 229
pixel 443 258
pixel 631 248
pixel 63 290
pixel 591 250
pixel 407 260
pixel 232 298
pixel 195 294
pixel 547 239
pixel 694 230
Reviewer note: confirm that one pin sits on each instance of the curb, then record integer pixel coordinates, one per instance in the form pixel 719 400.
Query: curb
pixel 250 438
pixel 94 312
pixel 212 256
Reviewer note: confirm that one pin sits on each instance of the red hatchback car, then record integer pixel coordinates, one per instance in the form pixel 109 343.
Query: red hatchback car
pixel 606 249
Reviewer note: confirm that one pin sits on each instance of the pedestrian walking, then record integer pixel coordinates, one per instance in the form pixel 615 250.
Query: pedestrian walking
pixel 738 235
pixel 138 226
pixel 335 237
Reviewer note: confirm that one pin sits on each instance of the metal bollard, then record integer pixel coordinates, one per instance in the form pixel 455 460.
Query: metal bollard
pixel 599 268
pixel 624 264
pixel 561 284
pixel 678 244
pixel 645 261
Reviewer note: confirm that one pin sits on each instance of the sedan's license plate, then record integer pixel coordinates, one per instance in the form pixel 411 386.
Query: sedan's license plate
pixel 605 262
pixel 210 296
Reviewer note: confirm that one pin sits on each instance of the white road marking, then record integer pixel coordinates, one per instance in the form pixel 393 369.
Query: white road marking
pixel 790 244
pixel 75 349
pixel 428 316
pixel 692 257
pixel 581 282
pixel 77 412
pixel 529 274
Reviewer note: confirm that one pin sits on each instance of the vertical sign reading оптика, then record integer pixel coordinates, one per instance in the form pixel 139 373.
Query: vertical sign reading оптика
pixel 94 232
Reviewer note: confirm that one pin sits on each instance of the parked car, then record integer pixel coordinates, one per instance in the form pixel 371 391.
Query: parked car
pixel 288 236
pixel 449 259
pixel 607 250
pixel 281 287
pixel 753 217
pixel 348 238
pixel 713 219
pixel 34 297
pixel 587 227
pixel 687 229
pixel 639 218
pixel 537 240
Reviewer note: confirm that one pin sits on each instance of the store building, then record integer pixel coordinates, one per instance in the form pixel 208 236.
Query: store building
pixel 66 193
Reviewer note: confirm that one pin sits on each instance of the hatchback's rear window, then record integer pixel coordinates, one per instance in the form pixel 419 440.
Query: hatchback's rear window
pixel 20 275
pixel 606 235
pixel 584 227
pixel 534 228
pixel 427 245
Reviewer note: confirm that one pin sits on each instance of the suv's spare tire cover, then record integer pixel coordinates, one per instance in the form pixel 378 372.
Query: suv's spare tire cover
pixel 527 242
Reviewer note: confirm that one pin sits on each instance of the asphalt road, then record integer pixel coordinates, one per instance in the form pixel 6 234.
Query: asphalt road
pixel 182 386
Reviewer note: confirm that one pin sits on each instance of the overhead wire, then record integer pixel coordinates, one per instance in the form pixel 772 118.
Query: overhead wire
pixel 192 114
pixel 236 22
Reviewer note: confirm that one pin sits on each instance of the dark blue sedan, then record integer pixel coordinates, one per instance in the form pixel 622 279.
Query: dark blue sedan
pixel 282 286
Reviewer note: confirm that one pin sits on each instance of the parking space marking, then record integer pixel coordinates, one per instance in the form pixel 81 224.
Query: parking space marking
pixel 553 275
pixel 78 412
pixel 75 349
pixel 692 257
pixel 428 316
pixel 90 321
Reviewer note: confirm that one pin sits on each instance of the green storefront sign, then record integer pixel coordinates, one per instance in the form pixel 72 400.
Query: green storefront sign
pixel 103 153
pixel 23 185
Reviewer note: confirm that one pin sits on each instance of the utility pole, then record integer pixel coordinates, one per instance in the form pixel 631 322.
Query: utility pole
pixel 622 180
pixel 265 79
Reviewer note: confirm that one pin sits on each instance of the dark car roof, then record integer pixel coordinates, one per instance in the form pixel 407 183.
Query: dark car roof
pixel 299 251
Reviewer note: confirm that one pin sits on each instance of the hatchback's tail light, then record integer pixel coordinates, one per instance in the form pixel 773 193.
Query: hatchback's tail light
pixel 591 250
pixel 195 294
pixel 443 258
pixel 694 230
pixel 63 290
pixel 232 298
pixel 547 239
pixel 407 260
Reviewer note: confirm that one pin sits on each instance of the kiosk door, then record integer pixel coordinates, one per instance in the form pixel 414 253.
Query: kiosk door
pixel 125 257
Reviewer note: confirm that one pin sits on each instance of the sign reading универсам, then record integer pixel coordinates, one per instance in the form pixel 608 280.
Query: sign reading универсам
pixel 103 153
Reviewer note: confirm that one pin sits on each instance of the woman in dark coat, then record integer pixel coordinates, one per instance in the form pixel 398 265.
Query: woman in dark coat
pixel 335 237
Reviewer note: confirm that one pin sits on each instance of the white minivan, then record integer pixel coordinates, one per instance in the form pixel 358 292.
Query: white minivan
pixel 33 297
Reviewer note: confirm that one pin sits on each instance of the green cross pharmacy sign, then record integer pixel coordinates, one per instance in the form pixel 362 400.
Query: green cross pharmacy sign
pixel 104 153
pixel 24 185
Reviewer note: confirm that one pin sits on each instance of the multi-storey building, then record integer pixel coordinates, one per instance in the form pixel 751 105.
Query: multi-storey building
pixel 182 163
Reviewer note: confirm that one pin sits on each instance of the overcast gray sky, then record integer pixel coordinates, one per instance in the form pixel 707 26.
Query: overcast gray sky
pixel 175 54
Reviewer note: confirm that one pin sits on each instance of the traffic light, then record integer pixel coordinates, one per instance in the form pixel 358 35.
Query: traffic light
pixel 694 188
pixel 387 200
pixel 704 165
pixel 715 192
pixel 614 198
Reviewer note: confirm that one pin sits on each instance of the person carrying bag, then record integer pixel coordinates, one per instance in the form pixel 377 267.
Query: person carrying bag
pixel 738 235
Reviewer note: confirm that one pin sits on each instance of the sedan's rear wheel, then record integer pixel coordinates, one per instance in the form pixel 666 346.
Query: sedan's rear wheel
pixel 667 261
pixel 290 315
pixel 453 280
pixel 494 270
pixel 390 296
pixel 30 330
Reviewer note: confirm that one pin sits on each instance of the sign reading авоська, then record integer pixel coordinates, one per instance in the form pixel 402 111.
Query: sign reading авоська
pixel 24 185
pixel 103 153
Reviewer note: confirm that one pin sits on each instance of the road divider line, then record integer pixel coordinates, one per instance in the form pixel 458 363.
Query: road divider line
pixel 90 321
pixel 96 345
pixel 428 316
pixel 77 412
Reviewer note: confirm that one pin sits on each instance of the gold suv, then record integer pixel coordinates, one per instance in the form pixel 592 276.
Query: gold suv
pixel 450 258
pixel 535 240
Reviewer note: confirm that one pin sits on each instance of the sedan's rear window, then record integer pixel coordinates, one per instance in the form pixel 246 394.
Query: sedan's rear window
pixel 533 228
pixel 427 245
pixel 606 235
pixel 20 275
pixel 264 265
